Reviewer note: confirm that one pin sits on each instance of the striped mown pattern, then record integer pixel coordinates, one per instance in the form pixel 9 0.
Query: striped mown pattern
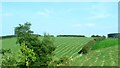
pixel 69 46
pixel 104 57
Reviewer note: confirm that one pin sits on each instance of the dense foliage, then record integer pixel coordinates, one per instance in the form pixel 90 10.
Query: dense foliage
pixel 87 47
pixel 8 58
pixel 41 50
pixel 33 51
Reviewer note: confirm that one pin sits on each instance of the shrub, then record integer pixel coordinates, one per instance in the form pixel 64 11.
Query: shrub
pixel 99 38
pixel 8 58
pixel 95 36
pixel 63 61
pixel 87 47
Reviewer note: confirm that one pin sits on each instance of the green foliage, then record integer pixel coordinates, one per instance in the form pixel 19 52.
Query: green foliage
pixel 87 47
pixel 35 52
pixel 99 38
pixel 3 51
pixel 63 61
pixel 45 52
pixel 27 56
pixel 95 36
pixel 23 33
pixel 8 58
pixel 48 43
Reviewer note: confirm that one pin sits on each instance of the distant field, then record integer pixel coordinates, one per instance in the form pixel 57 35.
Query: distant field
pixel 104 53
pixel 10 43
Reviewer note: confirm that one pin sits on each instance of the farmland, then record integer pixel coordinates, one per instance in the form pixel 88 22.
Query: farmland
pixel 104 53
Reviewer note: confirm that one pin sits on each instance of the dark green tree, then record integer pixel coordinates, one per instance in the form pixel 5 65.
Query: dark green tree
pixel 41 48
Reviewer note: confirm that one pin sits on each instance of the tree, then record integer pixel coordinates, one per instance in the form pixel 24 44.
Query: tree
pixel 23 32
pixel 31 44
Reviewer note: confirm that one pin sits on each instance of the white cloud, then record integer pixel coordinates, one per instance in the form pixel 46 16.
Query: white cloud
pixel 84 25
pixel 100 16
pixel 46 12
pixel 43 14
pixel 8 14
pixel 99 11
pixel 90 24
pixel 77 25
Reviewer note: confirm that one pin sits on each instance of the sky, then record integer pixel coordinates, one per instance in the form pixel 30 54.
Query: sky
pixel 80 18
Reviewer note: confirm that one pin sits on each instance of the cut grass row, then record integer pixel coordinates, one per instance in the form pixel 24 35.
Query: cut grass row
pixel 71 45
pixel 104 57
pixel 105 53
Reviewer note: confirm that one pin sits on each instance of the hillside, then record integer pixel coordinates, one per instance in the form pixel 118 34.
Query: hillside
pixel 104 53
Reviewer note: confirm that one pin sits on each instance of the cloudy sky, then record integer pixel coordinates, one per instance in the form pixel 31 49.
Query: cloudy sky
pixel 86 18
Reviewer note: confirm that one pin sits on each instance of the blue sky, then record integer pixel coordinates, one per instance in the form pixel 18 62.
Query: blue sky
pixel 85 18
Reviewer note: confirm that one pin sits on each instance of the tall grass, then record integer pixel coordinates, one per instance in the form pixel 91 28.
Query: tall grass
pixel 105 43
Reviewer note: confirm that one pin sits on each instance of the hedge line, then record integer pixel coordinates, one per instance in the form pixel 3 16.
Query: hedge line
pixel 88 46
pixel 11 36
pixel 7 36
pixel 99 38
pixel 70 36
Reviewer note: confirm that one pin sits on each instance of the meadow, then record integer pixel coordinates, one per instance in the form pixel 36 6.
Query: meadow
pixel 103 53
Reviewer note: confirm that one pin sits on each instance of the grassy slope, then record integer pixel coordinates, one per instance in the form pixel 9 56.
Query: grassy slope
pixel 103 57
pixel 70 46
pixel 105 43
pixel 104 53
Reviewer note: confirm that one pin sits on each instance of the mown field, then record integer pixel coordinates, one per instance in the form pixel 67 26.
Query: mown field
pixel 104 53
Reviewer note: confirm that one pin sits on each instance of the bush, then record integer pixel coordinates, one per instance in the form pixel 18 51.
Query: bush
pixel 8 58
pixel 99 38
pixel 63 61
pixel 87 47
pixel 95 36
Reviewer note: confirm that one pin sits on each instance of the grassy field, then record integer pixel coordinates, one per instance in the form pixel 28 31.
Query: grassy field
pixel 103 57
pixel 105 43
pixel 104 53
